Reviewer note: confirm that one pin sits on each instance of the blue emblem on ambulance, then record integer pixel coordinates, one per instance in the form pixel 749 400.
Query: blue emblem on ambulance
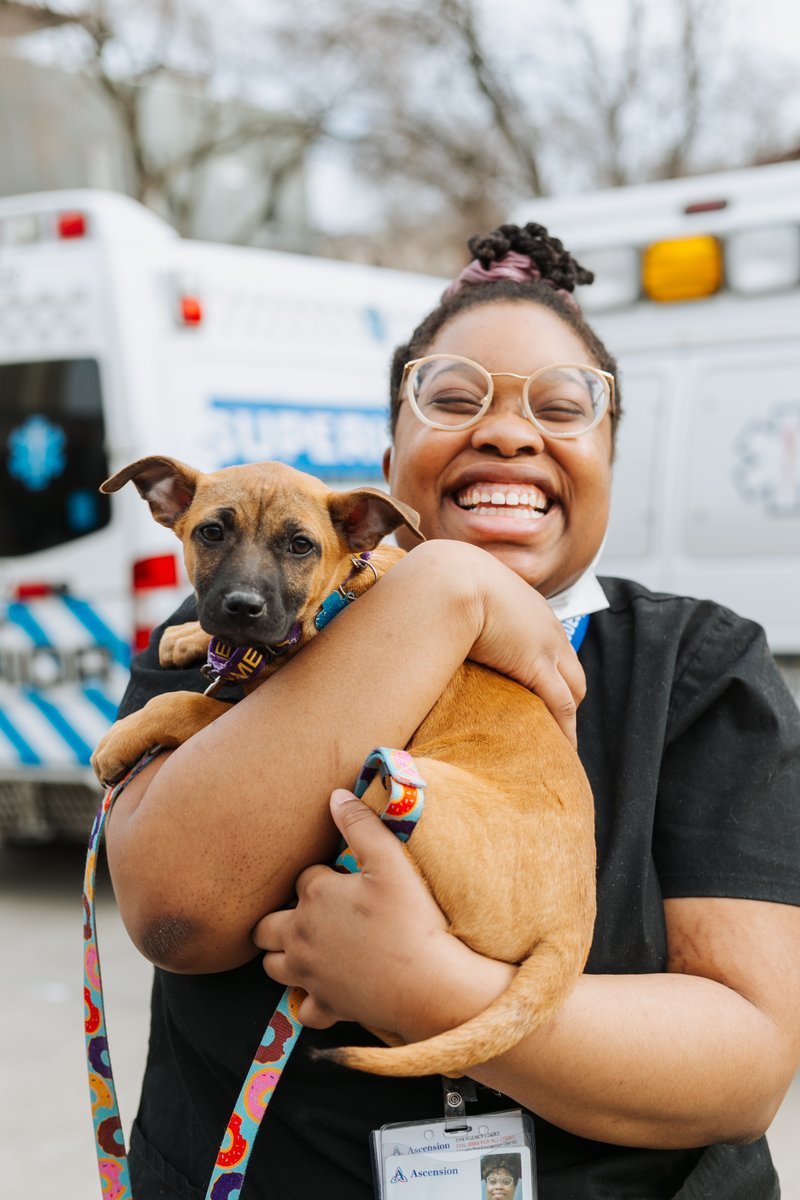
pixel 36 452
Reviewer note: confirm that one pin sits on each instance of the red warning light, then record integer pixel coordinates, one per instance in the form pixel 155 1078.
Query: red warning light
pixel 191 310
pixel 72 225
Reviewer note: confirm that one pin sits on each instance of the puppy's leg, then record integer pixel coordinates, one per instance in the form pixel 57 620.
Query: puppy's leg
pixel 182 645
pixel 168 720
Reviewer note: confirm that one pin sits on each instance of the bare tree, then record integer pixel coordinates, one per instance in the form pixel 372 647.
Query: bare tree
pixel 163 53
pixel 456 115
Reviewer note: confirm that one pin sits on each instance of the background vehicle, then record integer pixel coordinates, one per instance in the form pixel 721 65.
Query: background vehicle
pixel 119 339
pixel 698 294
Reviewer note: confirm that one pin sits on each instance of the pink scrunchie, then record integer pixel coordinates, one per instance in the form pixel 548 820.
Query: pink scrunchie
pixel 512 266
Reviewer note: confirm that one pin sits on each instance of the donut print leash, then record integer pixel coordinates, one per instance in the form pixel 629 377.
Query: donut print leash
pixel 405 806
pixel 403 810
pixel 112 1159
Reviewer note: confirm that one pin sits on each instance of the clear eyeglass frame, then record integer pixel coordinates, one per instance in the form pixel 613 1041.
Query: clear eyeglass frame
pixel 411 368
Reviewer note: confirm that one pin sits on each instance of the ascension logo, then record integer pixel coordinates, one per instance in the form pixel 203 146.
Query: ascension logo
pixel 398 1176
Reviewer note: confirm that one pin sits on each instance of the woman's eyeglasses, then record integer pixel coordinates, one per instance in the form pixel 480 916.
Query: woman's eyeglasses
pixel 565 400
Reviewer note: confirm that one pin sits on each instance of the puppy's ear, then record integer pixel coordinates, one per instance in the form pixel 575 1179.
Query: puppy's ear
pixel 167 485
pixel 364 516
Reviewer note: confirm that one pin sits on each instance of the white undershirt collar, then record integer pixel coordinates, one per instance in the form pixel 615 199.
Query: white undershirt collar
pixel 585 595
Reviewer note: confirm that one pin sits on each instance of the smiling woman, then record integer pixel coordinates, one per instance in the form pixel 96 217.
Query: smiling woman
pixel 565 480
pixel 660 1072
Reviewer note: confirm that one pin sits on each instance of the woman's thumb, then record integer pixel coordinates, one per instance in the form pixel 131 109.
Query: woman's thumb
pixel 361 829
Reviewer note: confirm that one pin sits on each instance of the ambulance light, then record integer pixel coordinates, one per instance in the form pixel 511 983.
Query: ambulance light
pixel 153 601
pixel 37 590
pixel 766 259
pixel 616 278
pixel 71 225
pixel 190 311
pixel 141 638
pixel 704 206
pixel 682 268
pixel 159 571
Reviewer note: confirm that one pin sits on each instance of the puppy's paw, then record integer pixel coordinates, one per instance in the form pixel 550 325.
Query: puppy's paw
pixel 113 758
pixel 182 645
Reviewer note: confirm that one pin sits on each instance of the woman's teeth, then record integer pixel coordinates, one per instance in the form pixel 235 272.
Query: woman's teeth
pixel 528 503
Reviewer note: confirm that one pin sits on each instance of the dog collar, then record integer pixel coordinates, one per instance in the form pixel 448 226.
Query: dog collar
pixel 237 664
pixel 332 605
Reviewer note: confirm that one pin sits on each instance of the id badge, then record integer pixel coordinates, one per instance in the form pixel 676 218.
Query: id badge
pixel 493 1158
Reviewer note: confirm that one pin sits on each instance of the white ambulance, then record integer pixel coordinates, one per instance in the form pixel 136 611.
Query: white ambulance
pixel 697 293
pixel 119 339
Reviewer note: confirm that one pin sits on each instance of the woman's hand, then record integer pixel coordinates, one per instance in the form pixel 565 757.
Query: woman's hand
pixel 517 632
pixel 545 662
pixel 371 947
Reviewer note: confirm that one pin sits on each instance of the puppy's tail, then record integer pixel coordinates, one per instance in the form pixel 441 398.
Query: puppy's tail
pixel 541 984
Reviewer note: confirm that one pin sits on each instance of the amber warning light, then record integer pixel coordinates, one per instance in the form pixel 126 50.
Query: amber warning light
pixel 682 268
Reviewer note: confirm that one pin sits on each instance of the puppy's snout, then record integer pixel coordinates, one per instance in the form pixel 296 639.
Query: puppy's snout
pixel 248 606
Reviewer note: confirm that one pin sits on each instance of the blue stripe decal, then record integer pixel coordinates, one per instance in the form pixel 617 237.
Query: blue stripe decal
pixel 101 702
pixel 26 753
pixel 95 625
pixel 21 615
pixel 81 750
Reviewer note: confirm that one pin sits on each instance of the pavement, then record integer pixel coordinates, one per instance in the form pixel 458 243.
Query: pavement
pixel 41 1031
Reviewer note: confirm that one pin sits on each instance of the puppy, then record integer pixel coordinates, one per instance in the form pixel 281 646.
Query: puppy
pixel 506 840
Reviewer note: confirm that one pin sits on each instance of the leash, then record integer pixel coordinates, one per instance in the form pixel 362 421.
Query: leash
pixel 405 806
pixel 403 810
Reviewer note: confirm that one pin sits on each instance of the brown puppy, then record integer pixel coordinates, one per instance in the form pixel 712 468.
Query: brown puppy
pixel 506 840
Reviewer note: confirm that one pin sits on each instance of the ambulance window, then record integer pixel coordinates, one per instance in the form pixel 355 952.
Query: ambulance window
pixel 744 462
pixel 52 454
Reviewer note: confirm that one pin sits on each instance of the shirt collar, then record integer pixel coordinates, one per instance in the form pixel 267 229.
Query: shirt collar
pixel 585 595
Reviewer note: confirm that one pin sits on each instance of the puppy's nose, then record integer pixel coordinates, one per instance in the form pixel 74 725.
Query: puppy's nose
pixel 247 605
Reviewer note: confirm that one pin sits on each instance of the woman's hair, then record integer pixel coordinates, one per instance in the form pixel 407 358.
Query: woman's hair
pixel 549 281
pixel 501 1162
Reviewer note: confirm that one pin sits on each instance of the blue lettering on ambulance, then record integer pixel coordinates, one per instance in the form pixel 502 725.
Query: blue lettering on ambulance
pixel 332 441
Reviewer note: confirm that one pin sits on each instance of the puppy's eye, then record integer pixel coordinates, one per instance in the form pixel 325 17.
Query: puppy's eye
pixel 300 546
pixel 211 532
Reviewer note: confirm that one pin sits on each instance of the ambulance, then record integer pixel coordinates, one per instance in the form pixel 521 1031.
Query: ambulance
pixel 697 293
pixel 120 339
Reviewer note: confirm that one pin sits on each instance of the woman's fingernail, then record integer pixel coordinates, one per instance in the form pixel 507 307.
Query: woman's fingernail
pixel 341 796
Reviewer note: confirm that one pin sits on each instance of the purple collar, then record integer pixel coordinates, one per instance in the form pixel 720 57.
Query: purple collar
pixel 237 664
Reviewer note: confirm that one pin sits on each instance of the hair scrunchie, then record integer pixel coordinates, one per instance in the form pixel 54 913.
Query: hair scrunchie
pixel 519 267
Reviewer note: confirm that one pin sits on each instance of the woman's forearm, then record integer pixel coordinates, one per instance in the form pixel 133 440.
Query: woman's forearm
pixel 214 836
pixel 664 1060
pixel 701 1053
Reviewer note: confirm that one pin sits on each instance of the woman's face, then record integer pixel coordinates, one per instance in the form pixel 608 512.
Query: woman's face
pixel 500 1185
pixel 553 532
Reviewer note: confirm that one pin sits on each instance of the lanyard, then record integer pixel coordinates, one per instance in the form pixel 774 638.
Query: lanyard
pixel 403 810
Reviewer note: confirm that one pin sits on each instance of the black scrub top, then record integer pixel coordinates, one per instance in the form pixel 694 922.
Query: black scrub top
pixel 691 742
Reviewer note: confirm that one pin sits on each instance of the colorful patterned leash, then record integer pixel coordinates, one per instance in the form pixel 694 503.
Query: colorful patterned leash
pixel 112 1158
pixel 403 810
